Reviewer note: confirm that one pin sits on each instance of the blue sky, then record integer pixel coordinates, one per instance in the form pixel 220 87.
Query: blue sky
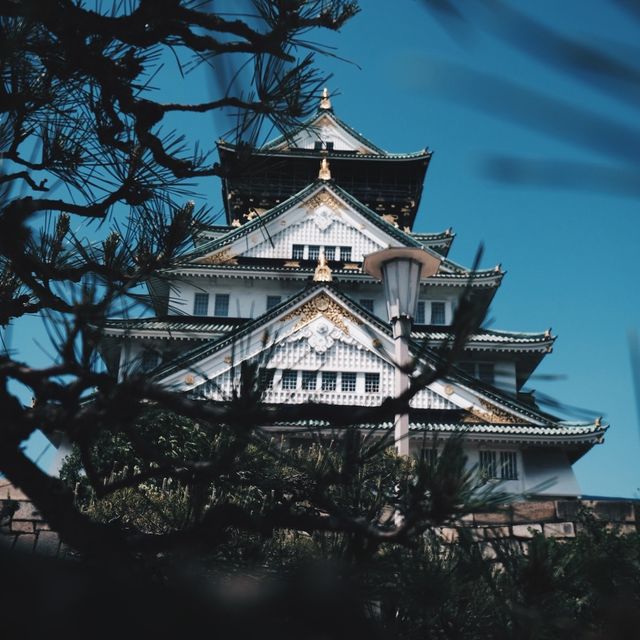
pixel 570 255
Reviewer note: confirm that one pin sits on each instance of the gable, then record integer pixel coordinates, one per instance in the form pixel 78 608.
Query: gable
pixel 325 129
pixel 320 334
pixel 322 218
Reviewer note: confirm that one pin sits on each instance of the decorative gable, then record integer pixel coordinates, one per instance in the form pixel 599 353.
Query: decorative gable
pixel 326 129
pixel 323 219
pixel 321 350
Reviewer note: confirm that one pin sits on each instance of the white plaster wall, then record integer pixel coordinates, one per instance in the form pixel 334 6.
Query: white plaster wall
pixel 339 233
pixel 548 472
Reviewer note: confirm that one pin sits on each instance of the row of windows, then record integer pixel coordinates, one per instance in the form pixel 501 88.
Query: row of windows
pixel 221 307
pixel 324 380
pixel 312 252
pixel 502 465
pixel 220 304
pixel 499 464
pixel 430 312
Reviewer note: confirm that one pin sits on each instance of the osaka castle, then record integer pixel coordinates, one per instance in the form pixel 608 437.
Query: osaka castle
pixel 293 280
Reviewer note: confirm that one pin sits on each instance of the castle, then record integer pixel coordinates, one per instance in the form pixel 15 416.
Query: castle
pixel 283 281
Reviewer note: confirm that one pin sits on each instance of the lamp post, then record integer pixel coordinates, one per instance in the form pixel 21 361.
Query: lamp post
pixel 401 269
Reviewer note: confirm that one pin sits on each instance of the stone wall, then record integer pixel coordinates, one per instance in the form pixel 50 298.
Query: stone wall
pixel 22 528
pixel 560 519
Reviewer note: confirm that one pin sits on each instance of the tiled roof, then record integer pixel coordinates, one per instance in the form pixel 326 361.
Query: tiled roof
pixel 336 154
pixel 586 431
pixel 191 324
pixel 486 335
pixel 177 323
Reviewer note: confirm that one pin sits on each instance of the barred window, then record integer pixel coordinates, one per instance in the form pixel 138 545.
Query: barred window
pixel 330 253
pixel 508 465
pixel 314 252
pixel 289 379
pixel 420 315
pixel 345 254
pixel 273 301
pixel 437 313
pixel 348 381
pixel 329 380
pixel 265 379
pixel 367 303
pixel 222 305
pixel 488 467
pixel 201 304
pixel 309 380
pixel 297 251
pixel 371 382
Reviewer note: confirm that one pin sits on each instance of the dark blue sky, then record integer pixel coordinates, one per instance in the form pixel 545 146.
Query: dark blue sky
pixel 571 255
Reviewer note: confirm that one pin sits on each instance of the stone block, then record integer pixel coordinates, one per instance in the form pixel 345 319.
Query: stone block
pixel 526 531
pixel 628 529
pixel 524 512
pixel 493 517
pixel 448 534
pixel 569 509
pixel 22 526
pixel 25 542
pixel 559 530
pixel 26 511
pixel 488 552
pixel 614 511
pixel 48 543
pixel 477 534
pixel 42 526
pixel 492 533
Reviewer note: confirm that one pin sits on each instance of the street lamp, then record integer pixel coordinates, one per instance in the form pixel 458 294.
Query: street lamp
pixel 401 269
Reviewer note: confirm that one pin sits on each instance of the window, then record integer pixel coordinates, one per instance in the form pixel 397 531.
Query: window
pixel 297 251
pixel 328 146
pixel 273 301
pixel 149 361
pixel 488 468
pixel 371 382
pixel 348 381
pixel 317 145
pixel 309 380
pixel 330 253
pixel 329 380
pixel 265 380
pixel 437 313
pixel 508 465
pixel 289 379
pixel 367 303
pixel 221 307
pixel 345 254
pixel 420 315
pixel 314 252
pixel 201 304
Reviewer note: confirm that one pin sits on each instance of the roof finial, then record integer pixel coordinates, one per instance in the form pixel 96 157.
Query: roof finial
pixel 323 272
pixel 325 101
pixel 325 172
